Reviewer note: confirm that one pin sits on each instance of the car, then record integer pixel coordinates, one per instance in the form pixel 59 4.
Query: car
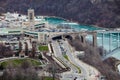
pixel 103 78
pixel 75 78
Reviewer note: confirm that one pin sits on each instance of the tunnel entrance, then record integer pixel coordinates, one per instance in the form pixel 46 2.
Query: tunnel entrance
pixel 68 37
pixel 62 36
pixel 57 38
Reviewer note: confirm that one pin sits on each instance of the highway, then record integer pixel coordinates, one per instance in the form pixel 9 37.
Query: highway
pixel 58 53
pixel 87 72
pixel 72 58
pixel 70 75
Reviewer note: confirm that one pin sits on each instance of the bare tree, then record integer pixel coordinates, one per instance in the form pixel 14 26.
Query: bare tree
pixel 93 57
pixel 24 72
pixel 26 48
pixel 5 51
pixel 52 70
pixel 33 51
pixel 20 47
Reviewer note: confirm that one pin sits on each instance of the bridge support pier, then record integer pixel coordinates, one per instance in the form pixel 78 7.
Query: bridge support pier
pixel 118 40
pixel 110 38
pixel 103 52
pixel 94 36
pixel 82 39
pixel 63 37
pixel 94 39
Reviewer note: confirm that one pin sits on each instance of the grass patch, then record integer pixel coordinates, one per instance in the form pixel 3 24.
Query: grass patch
pixel 18 62
pixel 66 57
pixel 43 48
pixel 77 68
pixel 49 78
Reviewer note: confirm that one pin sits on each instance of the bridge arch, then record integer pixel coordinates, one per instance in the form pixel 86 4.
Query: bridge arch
pixel 57 37
pixel 113 40
pixel 81 35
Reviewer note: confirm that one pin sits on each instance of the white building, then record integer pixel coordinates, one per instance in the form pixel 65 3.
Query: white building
pixel 13 24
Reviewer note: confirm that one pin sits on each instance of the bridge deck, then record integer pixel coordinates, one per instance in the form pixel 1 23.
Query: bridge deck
pixel 111 53
pixel 108 32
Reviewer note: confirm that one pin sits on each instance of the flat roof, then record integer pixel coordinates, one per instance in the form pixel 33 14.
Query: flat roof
pixel 7 30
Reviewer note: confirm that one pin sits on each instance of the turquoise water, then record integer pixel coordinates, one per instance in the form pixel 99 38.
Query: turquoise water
pixel 57 21
pixel 76 26
pixel 54 21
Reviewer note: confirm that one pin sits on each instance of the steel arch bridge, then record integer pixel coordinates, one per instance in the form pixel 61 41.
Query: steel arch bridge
pixel 113 40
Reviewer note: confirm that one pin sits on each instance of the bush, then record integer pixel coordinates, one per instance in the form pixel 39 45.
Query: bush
pixel 24 72
pixel 40 57
pixel 19 62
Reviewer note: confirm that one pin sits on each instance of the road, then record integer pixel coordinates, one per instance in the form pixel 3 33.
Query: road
pixel 9 58
pixel 87 72
pixel 72 58
pixel 58 53
pixel 70 75
pixel 54 64
pixel 4 59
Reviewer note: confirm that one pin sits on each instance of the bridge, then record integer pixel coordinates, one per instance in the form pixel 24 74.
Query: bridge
pixel 82 36
pixel 109 54
pixel 112 38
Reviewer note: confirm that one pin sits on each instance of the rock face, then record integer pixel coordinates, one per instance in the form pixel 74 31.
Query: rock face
pixel 103 13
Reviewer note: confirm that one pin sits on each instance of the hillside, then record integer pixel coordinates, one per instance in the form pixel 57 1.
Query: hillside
pixel 92 57
pixel 103 13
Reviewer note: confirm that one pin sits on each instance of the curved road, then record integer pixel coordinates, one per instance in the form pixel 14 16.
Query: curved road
pixel 87 72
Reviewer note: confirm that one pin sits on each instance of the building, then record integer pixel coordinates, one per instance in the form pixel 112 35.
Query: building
pixel 31 19
pixel 36 27
pixel 30 26
pixel 43 37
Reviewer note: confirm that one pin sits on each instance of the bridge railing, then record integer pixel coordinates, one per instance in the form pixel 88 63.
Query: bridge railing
pixel 108 54
pixel 115 49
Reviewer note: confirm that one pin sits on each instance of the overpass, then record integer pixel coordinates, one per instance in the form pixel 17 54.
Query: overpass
pixel 111 36
pixel 82 35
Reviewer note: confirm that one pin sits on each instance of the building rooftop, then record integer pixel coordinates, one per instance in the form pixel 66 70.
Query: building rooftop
pixel 14 23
